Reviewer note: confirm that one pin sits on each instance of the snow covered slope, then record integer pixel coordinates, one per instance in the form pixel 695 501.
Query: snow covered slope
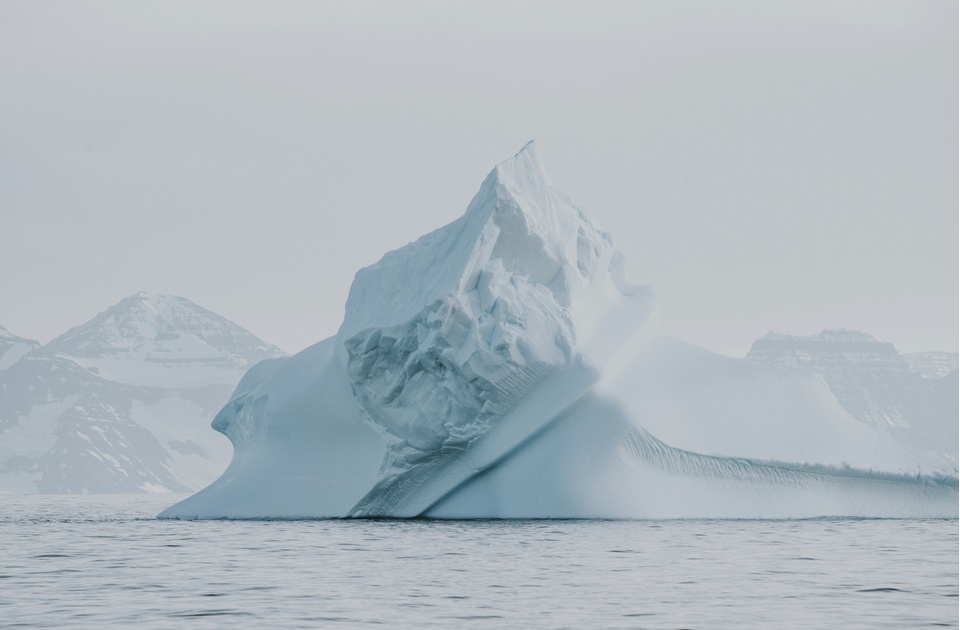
pixel 913 402
pixel 13 348
pixel 162 341
pixel 501 366
pixel 122 403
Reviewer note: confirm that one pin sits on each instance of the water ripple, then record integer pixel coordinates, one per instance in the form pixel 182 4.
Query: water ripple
pixel 91 562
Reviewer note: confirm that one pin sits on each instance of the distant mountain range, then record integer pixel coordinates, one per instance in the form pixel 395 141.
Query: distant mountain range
pixel 911 397
pixel 122 403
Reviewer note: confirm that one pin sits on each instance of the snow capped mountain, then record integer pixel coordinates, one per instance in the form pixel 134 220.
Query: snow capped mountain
pixel 123 402
pixel 501 366
pixel 913 400
pixel 162 340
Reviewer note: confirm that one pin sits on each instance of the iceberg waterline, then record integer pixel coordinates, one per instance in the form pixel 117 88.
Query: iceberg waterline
pixel 502 367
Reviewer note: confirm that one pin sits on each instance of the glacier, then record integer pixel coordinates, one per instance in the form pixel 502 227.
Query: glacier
pixel 503 367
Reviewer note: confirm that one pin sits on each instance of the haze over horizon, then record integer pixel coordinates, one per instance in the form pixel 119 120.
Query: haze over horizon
pixel 787 167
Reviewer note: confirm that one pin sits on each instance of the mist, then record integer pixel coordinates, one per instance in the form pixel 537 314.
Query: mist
pixel 786 166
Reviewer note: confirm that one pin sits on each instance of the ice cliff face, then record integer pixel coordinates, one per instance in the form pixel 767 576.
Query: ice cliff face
pixel 501 367
pixel 491 314
pixel 123 402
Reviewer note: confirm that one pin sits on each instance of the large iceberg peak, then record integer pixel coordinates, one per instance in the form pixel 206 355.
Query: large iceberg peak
pixel 440 338
pixel 539 232
pixel 517 224
pixel 523 180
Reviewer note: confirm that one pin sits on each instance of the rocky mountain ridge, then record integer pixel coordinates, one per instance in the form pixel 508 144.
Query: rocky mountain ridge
pixel 123 402
pixel 913 398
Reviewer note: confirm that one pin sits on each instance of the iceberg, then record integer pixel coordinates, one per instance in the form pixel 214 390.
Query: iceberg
pixel 503 367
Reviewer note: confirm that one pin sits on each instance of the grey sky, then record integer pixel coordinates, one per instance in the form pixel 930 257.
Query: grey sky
pixel 765 165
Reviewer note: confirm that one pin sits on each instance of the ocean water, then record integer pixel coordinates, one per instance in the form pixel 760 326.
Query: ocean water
pixel 105 561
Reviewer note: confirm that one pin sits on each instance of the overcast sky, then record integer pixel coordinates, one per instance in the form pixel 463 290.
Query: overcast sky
pixel 785 166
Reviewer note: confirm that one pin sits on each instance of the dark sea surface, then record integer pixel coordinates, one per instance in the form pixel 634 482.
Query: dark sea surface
pixel 105 561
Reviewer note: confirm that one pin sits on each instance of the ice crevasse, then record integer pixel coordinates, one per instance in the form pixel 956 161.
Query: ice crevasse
pixel 502 367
